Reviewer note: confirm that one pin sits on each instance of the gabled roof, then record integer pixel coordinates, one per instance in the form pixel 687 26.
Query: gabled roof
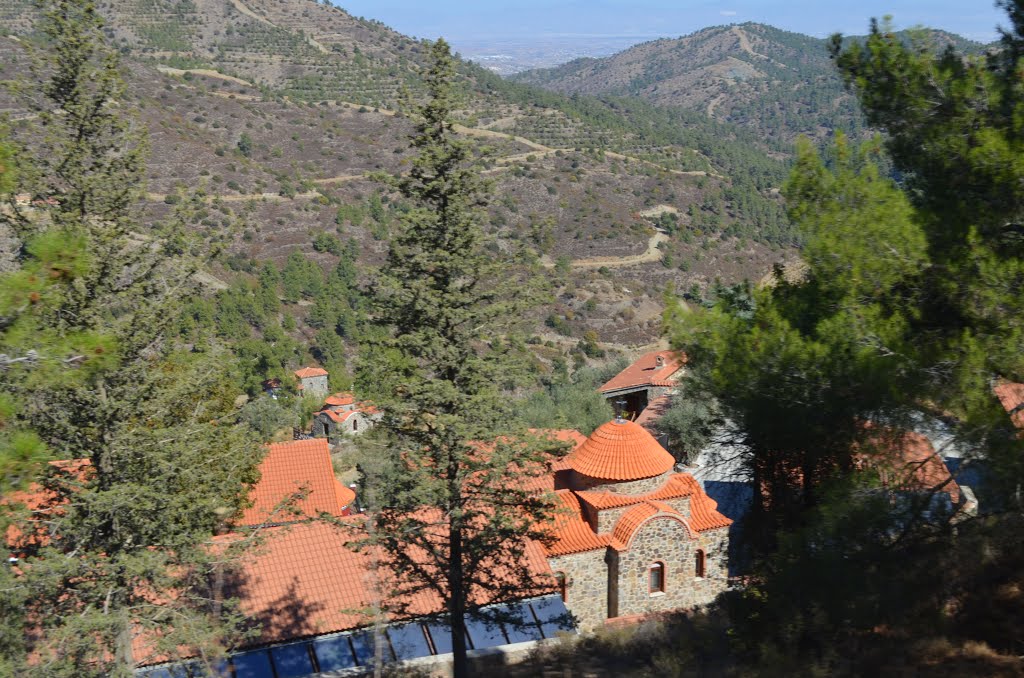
pixel 306 580
pixel 634 518
pixel 290 468
pixel 908 461
pixel 339 417
pixel 654 411
pixel 571 532
pixel 1011 396
pixel 645 372
pixel 620 450
pixel 678 486
pixel 309 372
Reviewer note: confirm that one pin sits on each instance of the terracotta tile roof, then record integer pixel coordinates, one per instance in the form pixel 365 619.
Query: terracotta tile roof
pixel 654 411
pixel 346 495
pixel 572 532
pixel 304 580
pixel 309 372
pixel 630 522
pixel 908 461
pixel 368 409
pixel 620 450
pixel 1011 396
pixel 561 435
pixel 287 469
pixel 340 399
pixel 678 485
pixel 704 513
pixel 645 371
pixel 338 417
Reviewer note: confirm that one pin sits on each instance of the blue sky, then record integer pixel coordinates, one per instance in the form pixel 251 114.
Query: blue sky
pixel 466 19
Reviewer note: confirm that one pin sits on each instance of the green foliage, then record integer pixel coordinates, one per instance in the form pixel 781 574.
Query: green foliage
pixel 437 367
pixel 325 242
pixel 689 424
pixel 567 405
pixel 92 369
pixel 245 145
pixel 909 303
pixel 266 416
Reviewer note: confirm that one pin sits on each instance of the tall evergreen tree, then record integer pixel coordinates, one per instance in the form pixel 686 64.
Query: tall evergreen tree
pixel 451 519
pixel 910 303
pixel 119 570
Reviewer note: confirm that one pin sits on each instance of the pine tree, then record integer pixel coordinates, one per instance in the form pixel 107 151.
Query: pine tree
pixel 451 519
pixel 94 375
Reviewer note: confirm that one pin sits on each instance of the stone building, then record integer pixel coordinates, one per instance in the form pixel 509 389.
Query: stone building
pixel 651 377
pixel 632 537
pixel 313 381
pixel 343 415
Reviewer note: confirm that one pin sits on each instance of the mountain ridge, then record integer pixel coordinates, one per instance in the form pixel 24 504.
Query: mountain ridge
pixel 779 83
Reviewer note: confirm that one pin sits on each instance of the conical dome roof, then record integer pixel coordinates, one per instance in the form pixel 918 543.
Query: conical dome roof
pixel 620 450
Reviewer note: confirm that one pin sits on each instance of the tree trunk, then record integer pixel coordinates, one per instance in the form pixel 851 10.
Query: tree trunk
pixel 457 603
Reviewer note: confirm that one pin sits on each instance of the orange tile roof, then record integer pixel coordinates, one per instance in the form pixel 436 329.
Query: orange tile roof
pixel 338 417
pixel 340 399
pixel 1011 396
pixel 704 513
pixel 909 461
pixel 346 495
pixel 645 371
pixel 287 469
pixel 572 532
pixel 308 372
pixel 620 450
pixel 561 435
pixel 305 580
pixel 677 486
pixel 654 411
pixel 630 522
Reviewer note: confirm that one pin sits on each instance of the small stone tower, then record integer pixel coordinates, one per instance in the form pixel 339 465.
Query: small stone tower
pixel 313 381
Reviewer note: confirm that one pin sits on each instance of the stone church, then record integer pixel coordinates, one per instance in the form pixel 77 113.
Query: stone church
pixel 632 537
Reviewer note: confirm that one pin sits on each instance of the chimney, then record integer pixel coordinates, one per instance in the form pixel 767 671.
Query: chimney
pixel 659 362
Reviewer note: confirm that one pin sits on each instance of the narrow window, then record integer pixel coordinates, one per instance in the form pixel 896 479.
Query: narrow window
pixel 657 578
pixel 355 424
pixel 699 559
pixel 563 586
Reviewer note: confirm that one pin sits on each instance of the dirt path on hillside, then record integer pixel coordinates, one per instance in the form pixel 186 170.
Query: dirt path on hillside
pixel 491 134
pixel 749 49
pixel 652 254
pixel 207 72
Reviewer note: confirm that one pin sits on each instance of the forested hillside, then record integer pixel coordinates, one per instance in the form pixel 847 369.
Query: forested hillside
pixel 278 115
pixel 777 83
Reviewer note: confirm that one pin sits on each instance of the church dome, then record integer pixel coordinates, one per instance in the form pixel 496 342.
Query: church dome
pixel 621 451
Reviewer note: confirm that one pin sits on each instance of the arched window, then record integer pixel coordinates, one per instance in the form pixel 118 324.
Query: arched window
pixel 355 424
pixel 698 565
pixel 563 586
pixel 656 578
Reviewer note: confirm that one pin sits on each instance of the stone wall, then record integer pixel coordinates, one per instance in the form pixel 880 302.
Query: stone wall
pixel 587 585
pixel 316 386
pixel 581 482
pixel 667 541
pixel 606 519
